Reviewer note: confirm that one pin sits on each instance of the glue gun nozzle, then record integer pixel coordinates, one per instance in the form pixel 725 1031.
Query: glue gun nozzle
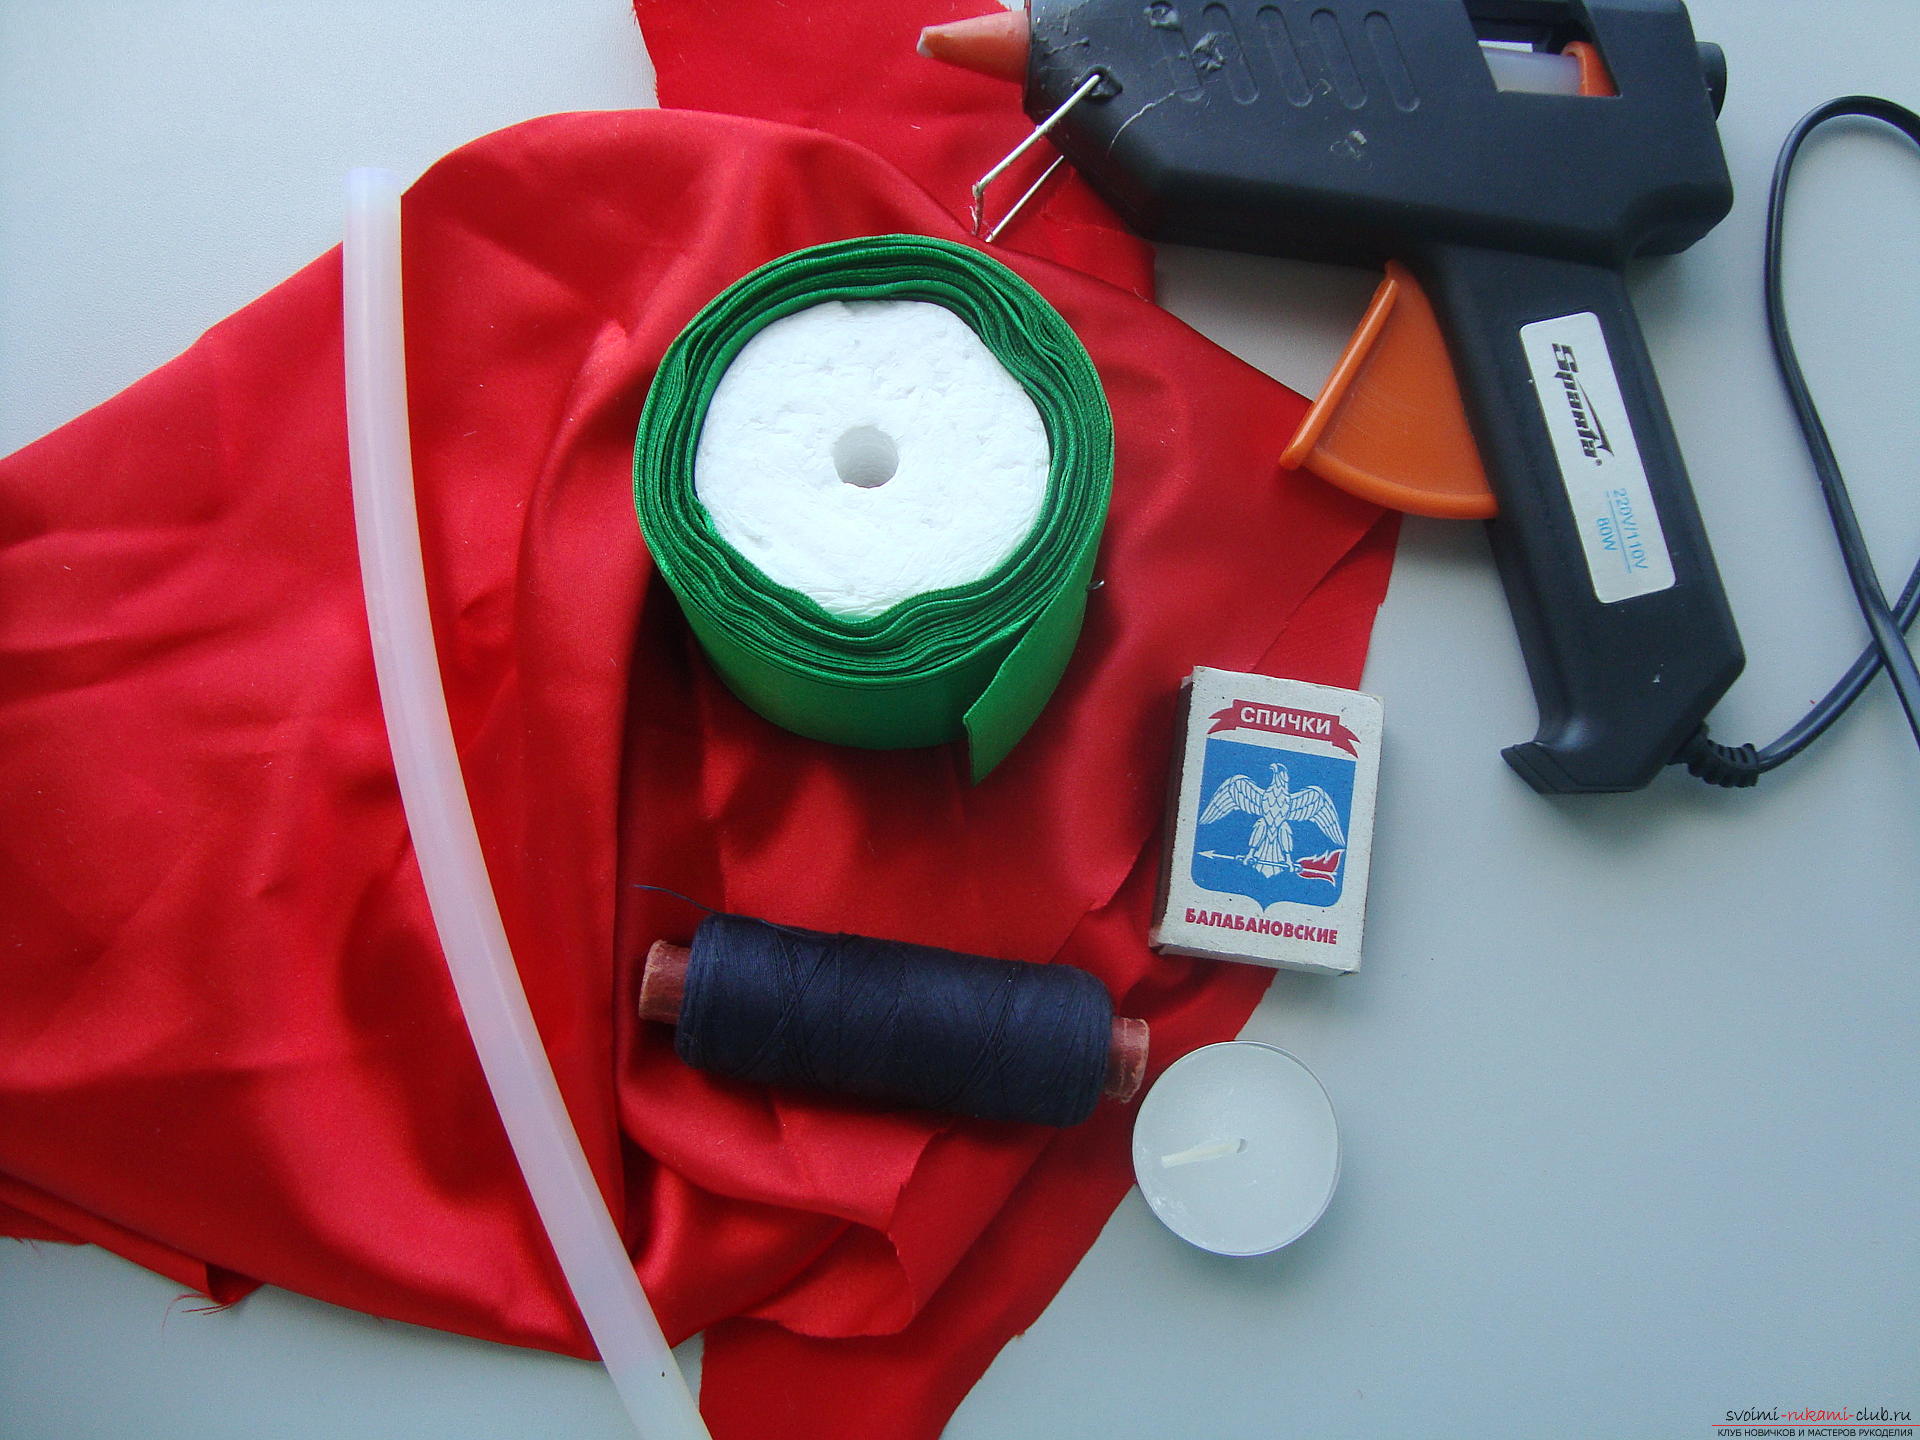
pixel 994 44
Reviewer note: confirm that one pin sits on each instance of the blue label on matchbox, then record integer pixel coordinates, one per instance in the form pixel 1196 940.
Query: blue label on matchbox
pixel 1272 823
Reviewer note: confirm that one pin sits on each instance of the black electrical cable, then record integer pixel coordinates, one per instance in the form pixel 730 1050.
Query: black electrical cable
pixel 1742 765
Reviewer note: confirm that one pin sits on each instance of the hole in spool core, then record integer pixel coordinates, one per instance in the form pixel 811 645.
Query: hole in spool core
pixel 866 456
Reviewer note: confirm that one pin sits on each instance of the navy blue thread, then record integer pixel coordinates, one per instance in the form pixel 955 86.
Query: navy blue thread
pixel 663 890
pixel 894 1023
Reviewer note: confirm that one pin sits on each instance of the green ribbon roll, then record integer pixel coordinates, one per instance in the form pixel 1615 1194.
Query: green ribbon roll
pixel 975 661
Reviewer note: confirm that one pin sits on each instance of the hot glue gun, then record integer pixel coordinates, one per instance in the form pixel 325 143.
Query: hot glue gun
pixel 1504 159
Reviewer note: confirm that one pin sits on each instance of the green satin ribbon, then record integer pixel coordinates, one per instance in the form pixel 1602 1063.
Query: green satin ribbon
pixel 975 661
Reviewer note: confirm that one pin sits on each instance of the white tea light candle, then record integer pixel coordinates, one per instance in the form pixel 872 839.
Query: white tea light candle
pixel 1236 1148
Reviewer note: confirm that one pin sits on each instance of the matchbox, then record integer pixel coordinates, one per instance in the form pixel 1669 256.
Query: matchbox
pixel 1271 823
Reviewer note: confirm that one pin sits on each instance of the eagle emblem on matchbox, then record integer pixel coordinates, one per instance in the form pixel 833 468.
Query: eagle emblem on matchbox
pixel 1272 823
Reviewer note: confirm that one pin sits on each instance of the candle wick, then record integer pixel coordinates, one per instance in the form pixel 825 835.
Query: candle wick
pixel 1209 1150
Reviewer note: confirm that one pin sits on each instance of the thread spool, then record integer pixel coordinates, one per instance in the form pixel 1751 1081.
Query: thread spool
pixel 900 1024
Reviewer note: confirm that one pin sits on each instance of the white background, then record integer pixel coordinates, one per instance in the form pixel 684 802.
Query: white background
pixel 1627 1084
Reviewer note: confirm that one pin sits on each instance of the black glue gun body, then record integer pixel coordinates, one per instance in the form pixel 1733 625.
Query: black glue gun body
pixel 1429 132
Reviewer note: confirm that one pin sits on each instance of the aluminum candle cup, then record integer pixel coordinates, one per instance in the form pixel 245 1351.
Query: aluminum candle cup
pixel 1236 1148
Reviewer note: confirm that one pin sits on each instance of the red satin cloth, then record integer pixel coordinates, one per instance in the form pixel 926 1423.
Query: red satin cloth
pixel 848 67
pixel 228 1046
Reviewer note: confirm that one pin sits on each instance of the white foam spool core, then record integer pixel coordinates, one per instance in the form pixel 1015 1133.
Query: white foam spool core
pixel 866 451
pixel 1236 1148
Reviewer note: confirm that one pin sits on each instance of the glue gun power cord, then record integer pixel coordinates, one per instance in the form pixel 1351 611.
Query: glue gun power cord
pixel 1743 765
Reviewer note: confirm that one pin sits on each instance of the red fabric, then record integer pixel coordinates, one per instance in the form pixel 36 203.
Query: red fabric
pixel 848 67
pixel 228 1047
pixel 762 1379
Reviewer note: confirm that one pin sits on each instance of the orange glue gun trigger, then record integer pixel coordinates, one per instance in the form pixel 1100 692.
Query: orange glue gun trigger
pixel 1389 424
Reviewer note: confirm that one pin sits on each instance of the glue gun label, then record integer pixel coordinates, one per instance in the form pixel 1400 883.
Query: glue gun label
pixel 1600 465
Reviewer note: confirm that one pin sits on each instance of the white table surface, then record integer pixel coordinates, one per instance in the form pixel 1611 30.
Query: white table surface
pixel 1627 1084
